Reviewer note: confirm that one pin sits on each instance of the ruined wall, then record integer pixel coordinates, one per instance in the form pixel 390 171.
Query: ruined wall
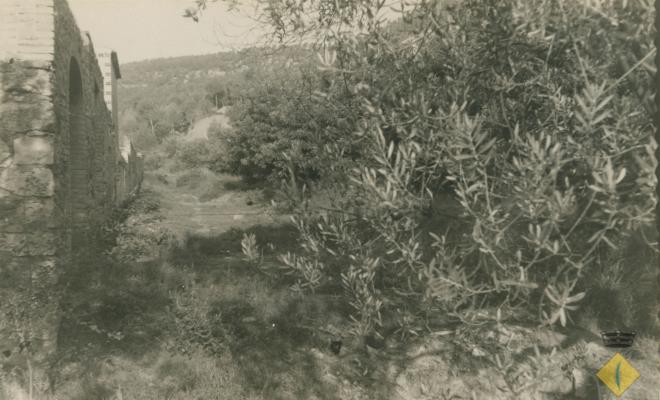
pixel 109 64
pixel 129 176
pixel 31 223
pixel 59 164
pixel 131 168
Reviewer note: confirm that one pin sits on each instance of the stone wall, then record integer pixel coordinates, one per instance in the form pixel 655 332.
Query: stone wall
pixel 60 164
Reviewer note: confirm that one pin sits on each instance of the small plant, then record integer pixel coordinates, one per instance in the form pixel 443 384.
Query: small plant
pixel 309 272
pixel 197 325
pixel 250 249
pixel 563 301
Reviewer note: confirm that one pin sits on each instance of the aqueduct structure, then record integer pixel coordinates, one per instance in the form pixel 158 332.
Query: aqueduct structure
pixel 64 165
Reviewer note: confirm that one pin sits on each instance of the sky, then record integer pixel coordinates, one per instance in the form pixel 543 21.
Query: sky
pixel 146 29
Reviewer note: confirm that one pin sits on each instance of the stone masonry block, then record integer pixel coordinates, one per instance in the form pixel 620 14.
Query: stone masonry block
pixel 11 243
pixel 40 213
pixel 28 180
pixel 20 78
pixel 11 212
pixel 40 244
pixel 29 244
pixel 33 150
pixel 5 151
pixel 8 200
pixel 33 113
pixel 12 274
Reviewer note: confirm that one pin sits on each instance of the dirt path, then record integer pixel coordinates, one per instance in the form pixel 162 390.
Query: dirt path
pixel 271 356
pixel 201 127
pixel 186 213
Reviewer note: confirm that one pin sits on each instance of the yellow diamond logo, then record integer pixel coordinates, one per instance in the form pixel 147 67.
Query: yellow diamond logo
pixel 618 374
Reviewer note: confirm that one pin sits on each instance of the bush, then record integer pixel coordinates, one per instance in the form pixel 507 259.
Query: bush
pixel 171 146
pixel 506 158
pixel 138 234
pixel 194 154
pixel 280 127
pixel 153 161
pixel 217 146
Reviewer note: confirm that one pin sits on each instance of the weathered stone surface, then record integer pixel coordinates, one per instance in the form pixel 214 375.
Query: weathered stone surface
pixel 31 292
pixel 59 156
pixel 8 201
pixel 13 275
pixel 30 244
pixel 5 151
pixel 31 113
pixel 11 211
pixel 39 244
pixel 33 150
pixel 28 181
pixel 11 243
pixel 42 212
pixel 20 79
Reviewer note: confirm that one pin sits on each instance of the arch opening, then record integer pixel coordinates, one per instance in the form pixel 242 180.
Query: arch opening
pixel 78 147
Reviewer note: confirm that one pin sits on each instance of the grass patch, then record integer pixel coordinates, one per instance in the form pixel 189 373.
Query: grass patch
pixel 190 179
pixel 200 323
pixel 272 239
pixel 212 192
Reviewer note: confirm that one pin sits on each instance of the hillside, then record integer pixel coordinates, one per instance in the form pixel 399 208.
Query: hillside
pixel 164 97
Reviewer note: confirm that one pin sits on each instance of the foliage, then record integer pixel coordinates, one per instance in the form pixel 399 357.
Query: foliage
pixel 138 234
pixel 196 326
pixel 219 93
pixel 194 154
pixel 505 152
pixel 280 125
pixel 250 249
pixel 162 98
pixel 199 153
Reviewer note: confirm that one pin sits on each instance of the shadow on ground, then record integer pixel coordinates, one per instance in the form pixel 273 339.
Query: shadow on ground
pixel 110 309
pixel 267 329
pixel 145 327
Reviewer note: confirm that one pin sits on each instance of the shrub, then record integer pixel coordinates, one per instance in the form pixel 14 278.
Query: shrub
pixel 170 146
pixel 217 147
pixel 250 249
pixel 153 161
pixel 279 127
pixel 506 158
pixel 136 230
pixel 194 154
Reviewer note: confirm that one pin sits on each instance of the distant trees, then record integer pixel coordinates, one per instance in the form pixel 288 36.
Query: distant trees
pixel 280 124
pixel 160 98
pixel 158 110
pixel 219 93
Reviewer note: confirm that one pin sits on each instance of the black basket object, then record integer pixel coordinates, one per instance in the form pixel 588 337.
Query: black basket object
pixel 618 338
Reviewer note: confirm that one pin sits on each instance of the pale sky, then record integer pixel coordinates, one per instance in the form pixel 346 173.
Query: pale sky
pixel 144 29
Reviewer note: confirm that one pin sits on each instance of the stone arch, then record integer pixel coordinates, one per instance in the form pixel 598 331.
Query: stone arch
pixel 78 146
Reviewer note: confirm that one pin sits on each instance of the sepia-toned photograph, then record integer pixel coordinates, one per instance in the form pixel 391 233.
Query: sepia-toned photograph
pixel 329 200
